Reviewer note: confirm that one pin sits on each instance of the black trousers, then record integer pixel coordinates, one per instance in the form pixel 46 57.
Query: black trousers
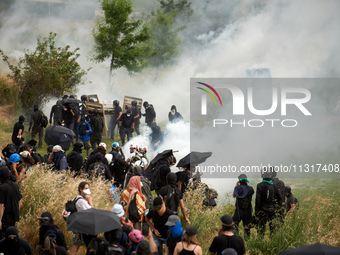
pixel 244 215
pixel 265 217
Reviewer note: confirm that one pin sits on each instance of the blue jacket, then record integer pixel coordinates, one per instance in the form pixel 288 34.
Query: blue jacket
pixel 85 137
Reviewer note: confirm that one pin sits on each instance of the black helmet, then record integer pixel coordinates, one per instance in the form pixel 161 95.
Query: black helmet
pixel 83 98
pixel 95 111
pixel 145 104
pixel 288 189
pixel 134 103
pixel 72 96
pixel 115 102
pixel 91 100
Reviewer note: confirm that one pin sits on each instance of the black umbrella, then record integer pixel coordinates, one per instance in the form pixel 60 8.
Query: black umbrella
pixel 93 221
pixel 59 135
pixel 70 101
pixel 30 142
pixel 317 248
pixel 194 158
pixel 159 157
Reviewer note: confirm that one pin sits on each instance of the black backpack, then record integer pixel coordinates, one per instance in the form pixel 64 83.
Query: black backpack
pixel 82 129
pixel 172 199
pixel 9 150
pixel 244 203
pixel 99 170
pixel 98 124
pixel 70 205
pixel 133 210
pixel 269 193
pixel 43 120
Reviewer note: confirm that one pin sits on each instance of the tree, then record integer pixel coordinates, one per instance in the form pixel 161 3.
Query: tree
pixel 182 7
pixel 119 37
pixel 164 40
pixel 45 72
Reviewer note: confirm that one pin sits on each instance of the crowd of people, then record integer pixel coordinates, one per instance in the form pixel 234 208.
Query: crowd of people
pixel 149 223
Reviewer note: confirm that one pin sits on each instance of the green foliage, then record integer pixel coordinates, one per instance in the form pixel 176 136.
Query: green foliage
pixel 45 72
pixel 182 7
pixel 164 40
pixel 118 36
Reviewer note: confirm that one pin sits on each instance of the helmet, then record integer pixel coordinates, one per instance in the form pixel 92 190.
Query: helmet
pixel 115 145
pixel 72 96
pixel 115 102
pixel 95 111
pixel 288 189
pixel 145 104
pixel 143 149
pixel 134 103
pixel 83 98
pixel 14 158
pixel 102 144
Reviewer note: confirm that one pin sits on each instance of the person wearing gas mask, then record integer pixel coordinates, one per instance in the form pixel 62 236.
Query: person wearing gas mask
pixel 150 114
pixel 13 244
pixel 136 116
pixel 174 115
pixel 126 125
pixel 46 223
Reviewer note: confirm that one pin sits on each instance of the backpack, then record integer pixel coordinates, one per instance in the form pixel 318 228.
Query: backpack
pixel 82 129
pixel 70 205
pixel 133 210
pixel 98 124
pixel 172 199
pixel 269 193
pixel 244 203
pixel 282 191
pixel 43 121
pixel 99 170
pixel 9 150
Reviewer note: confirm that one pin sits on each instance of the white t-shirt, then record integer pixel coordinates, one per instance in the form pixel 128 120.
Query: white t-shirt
pixel 82 204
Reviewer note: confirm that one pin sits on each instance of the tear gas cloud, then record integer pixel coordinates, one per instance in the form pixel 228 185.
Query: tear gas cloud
pixel 223 39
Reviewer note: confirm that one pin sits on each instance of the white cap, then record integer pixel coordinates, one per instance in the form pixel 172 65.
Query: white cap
pixel 118 210
pixel 57 148
pixel 25 154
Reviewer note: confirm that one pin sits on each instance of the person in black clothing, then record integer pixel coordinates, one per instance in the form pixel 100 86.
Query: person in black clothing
pixel 163 166
pixel 150 114
pixel 97 126
pixel 92 157
pixel 174 115
pixel 126 125
pixel 18 131
pixel 48 151
pixel 51 246
pixel 35 125
pixel 100 170
pixel 266 203
pixel 172 196
pixel 136 116
pixel 227 239
pixel 292 203
pixel 38 159
pixel 183 178
pixel 68 115
pixel 159 215
pixel 10 198
pixel 57 114
pixel 75 159
pixel 243 208
pixel 156 135
pixel 13 244
pixel 115 119
pixel 46 223
pixel 280 186
pixel 118 166
pixel 75 107
pixel 188 245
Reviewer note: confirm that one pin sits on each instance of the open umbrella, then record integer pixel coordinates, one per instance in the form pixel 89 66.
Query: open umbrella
pixel 159 157
pixel 93 221
pixel 317 248
pixel 30 142
pixel 194 158
pixel 59 135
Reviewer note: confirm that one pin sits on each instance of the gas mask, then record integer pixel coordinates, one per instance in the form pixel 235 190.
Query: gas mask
pixel 173 112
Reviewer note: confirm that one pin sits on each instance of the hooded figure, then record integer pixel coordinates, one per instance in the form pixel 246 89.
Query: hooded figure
pixel 47 225
pixel 18 130
pixel 75 159
pixel 174 116
pixel 13 244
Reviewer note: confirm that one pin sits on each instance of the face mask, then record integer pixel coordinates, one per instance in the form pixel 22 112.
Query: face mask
pixel 65 109
pixel 87 191
pixel 128 115
pixel 173 113
pixel 13 242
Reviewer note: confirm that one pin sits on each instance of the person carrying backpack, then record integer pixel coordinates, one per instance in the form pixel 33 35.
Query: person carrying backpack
pixel 243 209
pixel 136 114
pixel 97 125
pixel 292 203
pixel 126 125
pixel 267 197
pixel 36 125
pixel 173 196
pixel 100 169
pixel 84 131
